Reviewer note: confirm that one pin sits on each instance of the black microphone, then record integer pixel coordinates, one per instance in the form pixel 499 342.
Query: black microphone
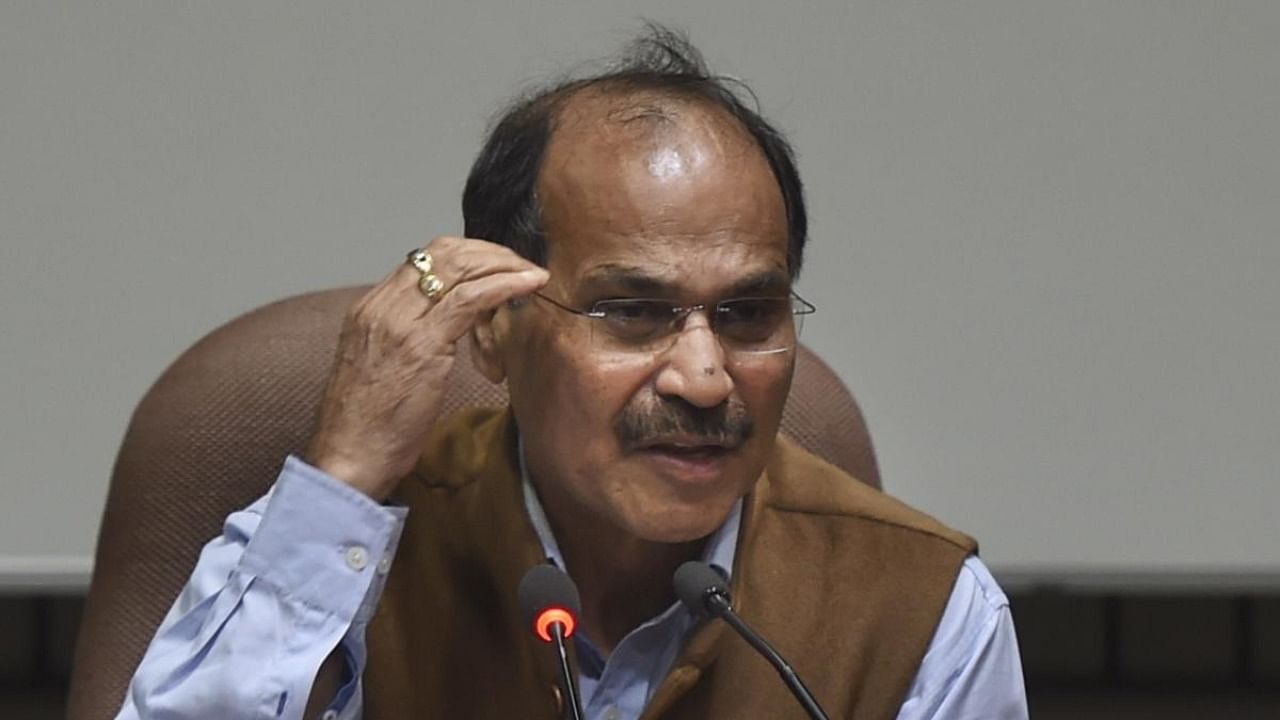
pixel 549 600
pixel 705 592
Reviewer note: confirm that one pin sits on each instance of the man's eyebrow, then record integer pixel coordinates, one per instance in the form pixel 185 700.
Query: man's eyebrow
pixel 632 279
pixel 628 278
pixel 767 281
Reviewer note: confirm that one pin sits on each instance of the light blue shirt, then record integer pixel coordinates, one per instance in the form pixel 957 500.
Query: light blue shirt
pixel 299 573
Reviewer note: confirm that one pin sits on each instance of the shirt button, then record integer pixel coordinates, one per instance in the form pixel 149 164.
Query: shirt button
pixel 329 715
pixel 357 558
pixel 611 713
pixel 384 565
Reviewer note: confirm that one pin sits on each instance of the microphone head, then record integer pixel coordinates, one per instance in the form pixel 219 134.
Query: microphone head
pixel 694 582
pixel 548 596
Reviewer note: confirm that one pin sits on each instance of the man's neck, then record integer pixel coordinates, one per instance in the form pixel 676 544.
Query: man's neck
pixel 623 581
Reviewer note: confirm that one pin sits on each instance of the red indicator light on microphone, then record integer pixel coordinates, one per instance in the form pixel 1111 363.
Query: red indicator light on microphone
pixel 550 616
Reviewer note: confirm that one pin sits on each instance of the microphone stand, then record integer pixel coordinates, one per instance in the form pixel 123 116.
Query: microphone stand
pixel 719 605
pixel 573 704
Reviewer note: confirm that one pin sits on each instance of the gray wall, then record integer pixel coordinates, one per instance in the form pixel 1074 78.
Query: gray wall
pixel 1045 237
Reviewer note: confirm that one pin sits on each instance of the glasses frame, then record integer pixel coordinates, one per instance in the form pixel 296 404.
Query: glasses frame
pixel 680 313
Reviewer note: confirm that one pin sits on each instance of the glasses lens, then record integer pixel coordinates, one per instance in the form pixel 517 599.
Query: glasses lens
pixel 632 324
pixel 754 325
pixel 743 325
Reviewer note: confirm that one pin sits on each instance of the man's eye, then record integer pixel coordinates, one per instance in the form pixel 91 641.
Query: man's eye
pixel 754 311
pixel 635 320
pixel 751 320
pixel 635 311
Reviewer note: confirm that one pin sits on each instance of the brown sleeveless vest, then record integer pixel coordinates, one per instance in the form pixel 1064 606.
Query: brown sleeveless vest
pixel 847 583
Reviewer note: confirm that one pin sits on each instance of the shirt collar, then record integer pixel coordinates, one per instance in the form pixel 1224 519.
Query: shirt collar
pixel 719 552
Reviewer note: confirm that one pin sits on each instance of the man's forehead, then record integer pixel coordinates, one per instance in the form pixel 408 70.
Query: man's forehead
pixel 663 279
pixel 738 260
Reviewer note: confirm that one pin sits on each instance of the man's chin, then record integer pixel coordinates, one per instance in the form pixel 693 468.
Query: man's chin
pixel 658 508
pixel 682 523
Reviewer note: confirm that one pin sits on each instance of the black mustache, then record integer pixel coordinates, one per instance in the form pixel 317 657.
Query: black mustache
pixel 640 424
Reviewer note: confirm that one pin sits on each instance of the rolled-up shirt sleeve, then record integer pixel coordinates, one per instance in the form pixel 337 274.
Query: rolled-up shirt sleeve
pixel 972 669
pixel 293 576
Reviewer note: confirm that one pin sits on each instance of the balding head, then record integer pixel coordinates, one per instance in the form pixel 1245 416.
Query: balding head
pixel 659 85
pixel 676 131
pixel 633 159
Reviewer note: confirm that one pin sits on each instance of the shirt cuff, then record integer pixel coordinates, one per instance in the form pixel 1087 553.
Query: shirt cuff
pixel 324 543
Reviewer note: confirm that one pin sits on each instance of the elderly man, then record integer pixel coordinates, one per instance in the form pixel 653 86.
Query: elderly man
pixel 631 243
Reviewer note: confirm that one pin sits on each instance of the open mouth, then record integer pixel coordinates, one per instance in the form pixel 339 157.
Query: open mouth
pixel 691 452
pixel 688 461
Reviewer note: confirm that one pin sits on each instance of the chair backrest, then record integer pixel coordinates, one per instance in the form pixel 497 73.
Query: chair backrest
pixel 210 435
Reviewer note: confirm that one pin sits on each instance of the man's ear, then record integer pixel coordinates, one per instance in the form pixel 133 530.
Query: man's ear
pixel 486 345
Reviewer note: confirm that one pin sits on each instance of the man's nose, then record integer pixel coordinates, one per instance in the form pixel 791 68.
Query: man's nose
pixel 696 366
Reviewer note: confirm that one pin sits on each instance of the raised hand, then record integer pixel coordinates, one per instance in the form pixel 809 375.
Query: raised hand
pixel 394 353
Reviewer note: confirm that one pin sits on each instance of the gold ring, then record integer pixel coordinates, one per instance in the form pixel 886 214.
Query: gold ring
pixel 430 286
pixel 428 283
pixel 420 259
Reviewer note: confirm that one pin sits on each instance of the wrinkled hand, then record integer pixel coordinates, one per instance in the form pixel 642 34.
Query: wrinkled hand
pixel 394 353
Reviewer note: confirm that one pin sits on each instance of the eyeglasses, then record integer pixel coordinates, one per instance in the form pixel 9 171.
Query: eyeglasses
pixel 747 325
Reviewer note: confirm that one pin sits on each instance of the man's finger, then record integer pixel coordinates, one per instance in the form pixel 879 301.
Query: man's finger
pixel 458 309
pixel 455 261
